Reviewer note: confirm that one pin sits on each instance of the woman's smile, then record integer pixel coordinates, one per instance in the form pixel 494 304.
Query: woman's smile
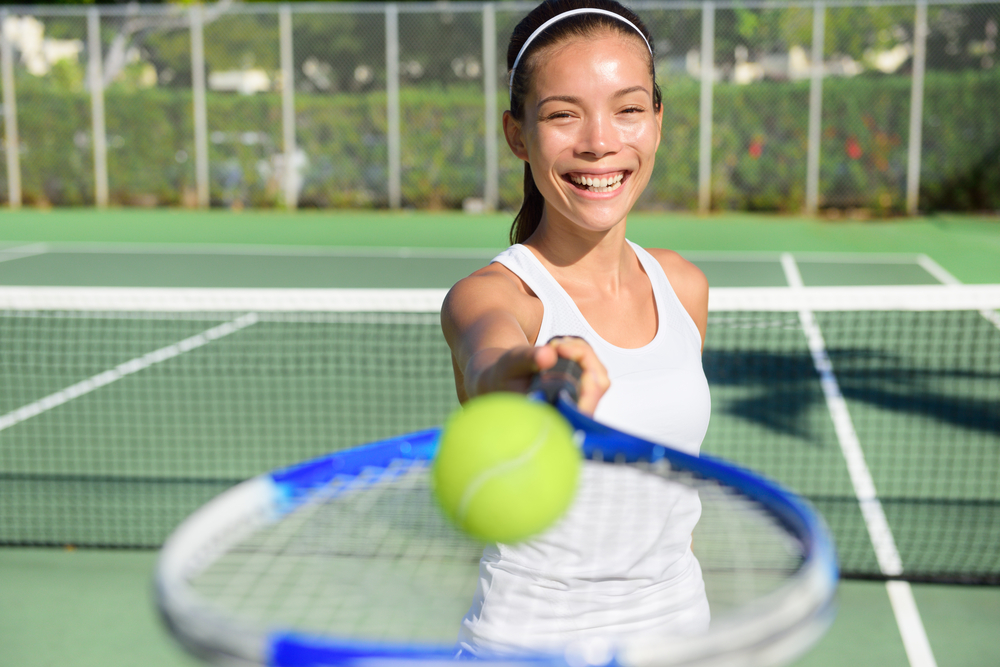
pixel 597 183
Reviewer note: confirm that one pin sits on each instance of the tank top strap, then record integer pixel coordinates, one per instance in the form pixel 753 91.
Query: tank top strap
pixel 668 304
pixel 526 266
pixel 560 316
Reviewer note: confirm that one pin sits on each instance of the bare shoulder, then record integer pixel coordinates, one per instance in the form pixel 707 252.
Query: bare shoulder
pixel 689 284
pixel 490 290
pixel 483 289
pixel 682 274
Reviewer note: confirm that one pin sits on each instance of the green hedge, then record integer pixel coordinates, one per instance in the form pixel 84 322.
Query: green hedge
pixel 759 146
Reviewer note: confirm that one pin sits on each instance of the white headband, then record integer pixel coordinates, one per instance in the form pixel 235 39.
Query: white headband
pixel 565 15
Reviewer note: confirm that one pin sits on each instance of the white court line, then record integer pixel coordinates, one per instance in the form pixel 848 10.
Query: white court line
pixel 944 276
pixel 124 369
pixel 432 252
pixel 911 627
pixel 859 257
pixel 19 252
pixel 398 252
pixel 992 316
pixel 826 257
pixel 941 274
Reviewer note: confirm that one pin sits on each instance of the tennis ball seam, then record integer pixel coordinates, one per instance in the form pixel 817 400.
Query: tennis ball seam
pixel 507 466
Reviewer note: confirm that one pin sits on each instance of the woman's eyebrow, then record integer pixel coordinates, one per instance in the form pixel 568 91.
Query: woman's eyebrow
pixel 576 100
pixel 560 98
pixel 634 89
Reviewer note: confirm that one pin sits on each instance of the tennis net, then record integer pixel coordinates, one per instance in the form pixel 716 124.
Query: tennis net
pixel 122 410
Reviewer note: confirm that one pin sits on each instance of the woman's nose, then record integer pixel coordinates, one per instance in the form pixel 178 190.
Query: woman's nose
pixel 598 137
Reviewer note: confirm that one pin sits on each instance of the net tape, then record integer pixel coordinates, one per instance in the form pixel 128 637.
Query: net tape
pixel 764 299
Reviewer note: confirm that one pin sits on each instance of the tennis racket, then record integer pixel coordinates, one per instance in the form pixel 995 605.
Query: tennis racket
pixel 346 559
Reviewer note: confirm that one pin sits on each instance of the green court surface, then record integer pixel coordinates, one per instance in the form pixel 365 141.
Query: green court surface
pixel 151 265
pixel 966 246
pixel 92 607
pixel 143 268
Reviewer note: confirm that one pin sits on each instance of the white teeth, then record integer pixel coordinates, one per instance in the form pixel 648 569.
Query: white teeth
pixel 600 184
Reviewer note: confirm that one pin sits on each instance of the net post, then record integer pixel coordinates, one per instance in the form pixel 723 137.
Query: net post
pixel 815 109
pixel 705 114
pixel 12 144
pixel 198 97
pixel 916 108
pixel 491 187
pixel 392 103
pixel 96 79
pixel 288 106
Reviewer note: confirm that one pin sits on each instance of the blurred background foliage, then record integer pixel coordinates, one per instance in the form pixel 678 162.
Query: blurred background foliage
pixel 759 130
pixel 758 152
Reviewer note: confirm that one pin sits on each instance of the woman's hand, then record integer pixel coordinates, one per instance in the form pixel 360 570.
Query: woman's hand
pixel 514 369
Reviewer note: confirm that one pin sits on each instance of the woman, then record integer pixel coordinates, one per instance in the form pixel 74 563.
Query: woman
pixel 585 115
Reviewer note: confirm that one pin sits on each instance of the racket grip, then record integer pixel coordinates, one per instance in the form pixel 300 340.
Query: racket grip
pixel 564 376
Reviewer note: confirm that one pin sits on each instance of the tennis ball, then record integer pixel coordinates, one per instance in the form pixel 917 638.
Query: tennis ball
pixel 506 467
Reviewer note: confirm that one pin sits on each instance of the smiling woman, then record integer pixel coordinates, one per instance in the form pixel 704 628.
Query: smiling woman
pixel 624 76
pixel 585 116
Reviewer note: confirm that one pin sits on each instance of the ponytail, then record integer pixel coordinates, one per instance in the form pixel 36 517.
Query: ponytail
pixel 527 219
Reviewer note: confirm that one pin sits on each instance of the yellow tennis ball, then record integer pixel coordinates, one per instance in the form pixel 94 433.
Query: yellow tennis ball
pixel 506 467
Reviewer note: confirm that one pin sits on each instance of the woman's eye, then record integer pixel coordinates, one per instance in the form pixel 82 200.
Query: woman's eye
pixel 633 110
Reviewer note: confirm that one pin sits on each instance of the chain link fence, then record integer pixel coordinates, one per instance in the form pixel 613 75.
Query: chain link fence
pixel 866 107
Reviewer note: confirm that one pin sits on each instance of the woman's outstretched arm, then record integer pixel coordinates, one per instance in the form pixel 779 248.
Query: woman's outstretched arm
pixel 490 324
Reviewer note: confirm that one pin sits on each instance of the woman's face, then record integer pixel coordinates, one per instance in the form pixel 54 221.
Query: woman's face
pixel 590 132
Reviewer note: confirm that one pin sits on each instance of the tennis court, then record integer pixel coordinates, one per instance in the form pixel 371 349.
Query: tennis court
pixel 81 472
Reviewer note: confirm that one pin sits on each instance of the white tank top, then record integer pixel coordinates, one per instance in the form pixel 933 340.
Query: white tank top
pixel 580 579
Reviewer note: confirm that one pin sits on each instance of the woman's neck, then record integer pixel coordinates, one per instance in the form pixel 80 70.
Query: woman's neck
pixel 598 259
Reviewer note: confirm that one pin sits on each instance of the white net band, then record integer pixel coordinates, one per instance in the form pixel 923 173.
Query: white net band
pixel 721 299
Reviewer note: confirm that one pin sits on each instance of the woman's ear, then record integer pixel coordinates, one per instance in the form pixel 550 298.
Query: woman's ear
pixel 515 137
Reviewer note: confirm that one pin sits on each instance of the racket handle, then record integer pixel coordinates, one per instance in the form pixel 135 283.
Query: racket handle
pixel 564 376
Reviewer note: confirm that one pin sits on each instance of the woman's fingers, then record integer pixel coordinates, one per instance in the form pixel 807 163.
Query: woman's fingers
pixel 594 381
pixel 514 369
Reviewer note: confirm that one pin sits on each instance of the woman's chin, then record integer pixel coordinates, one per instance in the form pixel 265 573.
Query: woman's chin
pixel 597 219
pixel 602 214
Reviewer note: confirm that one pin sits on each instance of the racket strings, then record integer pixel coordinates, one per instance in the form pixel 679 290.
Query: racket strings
pixel 372 558
pixel 367 556
pixel 744 551
pixel 258 566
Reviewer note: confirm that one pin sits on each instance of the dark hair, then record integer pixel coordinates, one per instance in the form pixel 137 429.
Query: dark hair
pixel 582 25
